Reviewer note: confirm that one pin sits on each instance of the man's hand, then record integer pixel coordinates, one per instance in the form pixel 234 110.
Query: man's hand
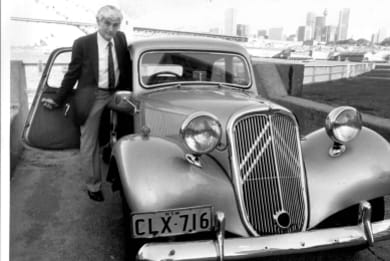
pixel 49 103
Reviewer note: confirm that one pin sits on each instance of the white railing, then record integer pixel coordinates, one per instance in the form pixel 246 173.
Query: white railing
pixel 328 72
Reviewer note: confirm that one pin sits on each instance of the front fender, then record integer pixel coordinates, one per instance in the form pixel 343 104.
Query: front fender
pixel 155 176
pixel 362 172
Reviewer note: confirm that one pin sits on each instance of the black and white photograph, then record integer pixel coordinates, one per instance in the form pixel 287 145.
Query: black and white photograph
pixel 195 130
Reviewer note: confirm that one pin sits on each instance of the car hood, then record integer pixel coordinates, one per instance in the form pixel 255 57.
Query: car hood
pixel 220 102
pixel 165 111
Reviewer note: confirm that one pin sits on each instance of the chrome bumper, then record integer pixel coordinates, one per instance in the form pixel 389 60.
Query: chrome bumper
pixel 293 243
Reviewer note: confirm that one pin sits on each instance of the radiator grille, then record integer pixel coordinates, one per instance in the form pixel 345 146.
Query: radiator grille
pixel 270 172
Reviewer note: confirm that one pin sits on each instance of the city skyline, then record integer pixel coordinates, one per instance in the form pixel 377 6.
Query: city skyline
pixel 317 28
pixel 365 20
pixel 204 15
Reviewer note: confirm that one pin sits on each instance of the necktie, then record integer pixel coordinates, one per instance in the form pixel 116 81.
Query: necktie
pixel 111 73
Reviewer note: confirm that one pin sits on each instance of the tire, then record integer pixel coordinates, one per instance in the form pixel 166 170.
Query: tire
pixel 350 216
pixel 106 154
pixel 378 209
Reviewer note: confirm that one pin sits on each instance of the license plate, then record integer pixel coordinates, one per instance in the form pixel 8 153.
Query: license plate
pixel 172 222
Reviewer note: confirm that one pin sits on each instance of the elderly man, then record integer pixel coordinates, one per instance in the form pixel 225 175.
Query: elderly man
pixel 100 64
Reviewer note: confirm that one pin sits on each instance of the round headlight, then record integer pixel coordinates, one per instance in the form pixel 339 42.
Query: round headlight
pixel 343 124
pixel 201 132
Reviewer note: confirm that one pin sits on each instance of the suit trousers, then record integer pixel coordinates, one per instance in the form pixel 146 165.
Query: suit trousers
pixel 89 142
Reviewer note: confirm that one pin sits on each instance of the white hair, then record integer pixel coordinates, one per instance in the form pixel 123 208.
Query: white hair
pixel 109 11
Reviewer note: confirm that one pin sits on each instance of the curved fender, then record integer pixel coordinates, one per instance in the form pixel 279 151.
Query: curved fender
pixel 362 172
pixel 155 176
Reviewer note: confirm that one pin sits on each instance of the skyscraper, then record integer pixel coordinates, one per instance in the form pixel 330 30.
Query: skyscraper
pixel 319 28
pixel 330 33
pixel 342 29
pixel 301 33
pixel 310 24
pixel 304 33
pixel 230 21
pixel 381 35
pixel 243 30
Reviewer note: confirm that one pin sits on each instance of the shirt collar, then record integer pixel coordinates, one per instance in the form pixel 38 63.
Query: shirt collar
pixel 103 41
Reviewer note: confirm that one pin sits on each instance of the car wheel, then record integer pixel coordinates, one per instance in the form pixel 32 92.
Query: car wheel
pixel 106 154
pixel 350 216
pixel 378 209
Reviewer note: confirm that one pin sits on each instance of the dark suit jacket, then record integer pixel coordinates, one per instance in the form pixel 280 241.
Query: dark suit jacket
pixel 83 69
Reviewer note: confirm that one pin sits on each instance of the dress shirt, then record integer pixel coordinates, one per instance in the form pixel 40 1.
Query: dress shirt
pixel 103 62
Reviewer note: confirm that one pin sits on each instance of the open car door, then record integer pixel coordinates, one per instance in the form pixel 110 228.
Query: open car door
pixel 51 129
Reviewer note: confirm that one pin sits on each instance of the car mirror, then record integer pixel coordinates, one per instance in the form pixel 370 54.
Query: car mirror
pixel 123 101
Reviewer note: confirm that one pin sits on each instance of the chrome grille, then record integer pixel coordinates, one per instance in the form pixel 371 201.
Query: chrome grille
pixel 269 176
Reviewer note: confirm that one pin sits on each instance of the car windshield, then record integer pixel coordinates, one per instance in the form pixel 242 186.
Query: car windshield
pixel 160 68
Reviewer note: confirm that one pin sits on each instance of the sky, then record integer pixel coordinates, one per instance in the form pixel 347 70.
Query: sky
pixel 366 17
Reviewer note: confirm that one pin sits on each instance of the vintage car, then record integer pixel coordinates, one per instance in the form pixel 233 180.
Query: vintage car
pixel 209 169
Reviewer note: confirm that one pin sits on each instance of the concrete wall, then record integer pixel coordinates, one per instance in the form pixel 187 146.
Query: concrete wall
pixel 19 110
pixel 311 115
pixel 296 73
pixel 290 77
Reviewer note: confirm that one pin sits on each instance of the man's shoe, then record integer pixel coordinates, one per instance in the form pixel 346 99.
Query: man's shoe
pixel 96 196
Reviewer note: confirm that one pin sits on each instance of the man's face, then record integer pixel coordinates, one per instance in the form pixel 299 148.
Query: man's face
pixel 108 26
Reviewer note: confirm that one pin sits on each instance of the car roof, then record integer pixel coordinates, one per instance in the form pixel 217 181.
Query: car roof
pixel 187 43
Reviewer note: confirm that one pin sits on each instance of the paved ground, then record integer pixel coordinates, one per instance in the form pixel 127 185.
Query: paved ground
pixel 53 219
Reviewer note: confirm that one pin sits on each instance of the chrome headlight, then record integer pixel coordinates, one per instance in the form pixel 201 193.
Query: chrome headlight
pixel 343 124
pixel 201 132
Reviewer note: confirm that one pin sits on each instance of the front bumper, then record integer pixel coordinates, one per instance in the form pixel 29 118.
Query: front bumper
pixel 293 243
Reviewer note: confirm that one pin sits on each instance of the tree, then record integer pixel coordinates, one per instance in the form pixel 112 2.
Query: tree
pixel 363 42
pixel 386 42
pixel 348 41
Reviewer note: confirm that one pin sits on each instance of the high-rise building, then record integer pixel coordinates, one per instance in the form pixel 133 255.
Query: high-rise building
pixel 342 29
pixel 310 24
pixel 301 33
pixel 304 33
pixel 262 33
pixel 311 19
pixel 243 30
pixel 319 29
pixel 275 33
pixel 230 21
pixel 381 35
pixel 331 31
pixel 373 38
pixel 309 34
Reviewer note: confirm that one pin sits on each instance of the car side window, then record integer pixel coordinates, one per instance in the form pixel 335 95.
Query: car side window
pixel 219 67
pixel 58 69
pixel 239 72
